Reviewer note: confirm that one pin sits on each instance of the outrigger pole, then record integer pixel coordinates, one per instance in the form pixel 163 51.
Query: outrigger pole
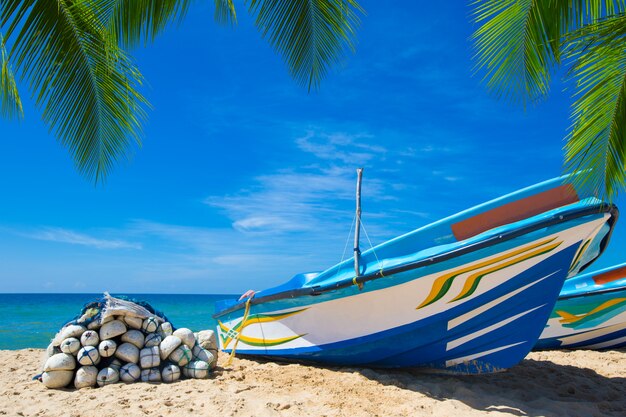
pixel 357 227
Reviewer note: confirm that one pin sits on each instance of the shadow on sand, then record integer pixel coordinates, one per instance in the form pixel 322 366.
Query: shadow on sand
pixel 534 387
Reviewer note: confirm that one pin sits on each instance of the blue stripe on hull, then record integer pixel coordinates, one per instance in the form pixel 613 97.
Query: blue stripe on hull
pixel 555 343
pixel 424 343
pixel 588 300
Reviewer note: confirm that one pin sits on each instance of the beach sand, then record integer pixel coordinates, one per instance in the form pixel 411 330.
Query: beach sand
pixel 559 383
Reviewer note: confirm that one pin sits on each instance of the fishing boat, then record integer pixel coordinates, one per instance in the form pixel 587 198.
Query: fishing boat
pixel 590 312
pixel 467 294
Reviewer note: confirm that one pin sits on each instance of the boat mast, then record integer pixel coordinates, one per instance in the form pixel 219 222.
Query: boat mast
pixel 357 227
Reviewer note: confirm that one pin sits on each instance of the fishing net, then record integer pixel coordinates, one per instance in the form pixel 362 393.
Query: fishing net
pixel 100 310
pixel 129 308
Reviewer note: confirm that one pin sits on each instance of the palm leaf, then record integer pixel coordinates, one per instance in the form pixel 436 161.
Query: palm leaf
pixel 225 11
pixel 518 42
pixel 596 142
pixel 562 17
pixel 84 82
pixel 137 22
pixel 10 102
pixel 513 48
pixel 311 35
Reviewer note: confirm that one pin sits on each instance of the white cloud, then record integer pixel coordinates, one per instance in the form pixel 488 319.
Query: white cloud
pixel 317 198
pixel 341 146
pixel 55 234
pixel 288 201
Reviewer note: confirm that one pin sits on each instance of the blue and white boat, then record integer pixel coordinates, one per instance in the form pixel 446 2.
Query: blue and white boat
pixel 467 294
pixel 590 313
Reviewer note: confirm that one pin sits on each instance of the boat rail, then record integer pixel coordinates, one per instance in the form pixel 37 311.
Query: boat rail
pixel 561 217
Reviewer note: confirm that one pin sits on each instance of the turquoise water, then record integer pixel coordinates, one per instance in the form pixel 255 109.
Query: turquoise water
pixel 31 320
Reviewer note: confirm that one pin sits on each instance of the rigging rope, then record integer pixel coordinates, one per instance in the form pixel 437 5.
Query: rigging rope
pixel 348 238
pixel 243 321
pixel 380 265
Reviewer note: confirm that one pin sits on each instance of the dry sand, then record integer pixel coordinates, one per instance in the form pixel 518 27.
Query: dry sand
pixel 581 383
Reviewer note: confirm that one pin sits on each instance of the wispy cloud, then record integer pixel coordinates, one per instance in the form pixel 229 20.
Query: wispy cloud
pixel 316 198
pixel 288 201
pixel 224 259
pixel 60 235
pixel 340 146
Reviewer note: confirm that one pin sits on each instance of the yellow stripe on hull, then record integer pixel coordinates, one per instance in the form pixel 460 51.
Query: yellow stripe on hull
pixel 573 318
pixel 258 318
pixel 441 281
pixel 469 283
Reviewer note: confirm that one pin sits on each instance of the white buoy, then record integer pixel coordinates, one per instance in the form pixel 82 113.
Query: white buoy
pixel 196 349
pixel 86 377
pixel 73 330
pixel 170 373
pixel 108 376
pixel 151 375
pixel 204 355
pixel 107 348
pixel 57 379
pixel 207 340
pixel 133 322
pixel 149 357
pixel 130 372
pixel 165 329
pixel 135 337
pixel 150 325
pixel 196 369
pixel 89 338
pixel 71 345
pixel 168 345
pixel 181 355
pixel 127 352
pixel 152 339
pixel 53 350
pixel 60 362
pixel 112 329
pixel 88 355
pixel 115 364
pixel 186 336
pixel 94 325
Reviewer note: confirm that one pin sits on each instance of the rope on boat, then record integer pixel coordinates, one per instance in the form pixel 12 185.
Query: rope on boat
pixel 243 320
pixel 343 255
pixel 380 265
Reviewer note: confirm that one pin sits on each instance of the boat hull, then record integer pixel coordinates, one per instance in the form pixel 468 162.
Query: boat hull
pixel 589 314
pixel 481 311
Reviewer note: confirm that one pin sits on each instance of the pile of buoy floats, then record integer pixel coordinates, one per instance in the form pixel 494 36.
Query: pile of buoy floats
pixel 116 340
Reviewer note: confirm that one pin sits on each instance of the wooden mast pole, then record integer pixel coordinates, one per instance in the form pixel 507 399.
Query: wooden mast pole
pixel 357 230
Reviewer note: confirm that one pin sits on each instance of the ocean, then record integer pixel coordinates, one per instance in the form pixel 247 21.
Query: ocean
pixel 31 320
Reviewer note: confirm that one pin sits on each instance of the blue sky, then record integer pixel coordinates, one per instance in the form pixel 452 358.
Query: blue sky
pixel 245 179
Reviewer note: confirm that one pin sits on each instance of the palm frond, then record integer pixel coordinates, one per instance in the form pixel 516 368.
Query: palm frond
pixel 518 42
pixel 136 22
pixel 10 102
pixel 565 17
pixel 310 35
pixel 596 142
pixel 225 12
pixel 84 82
pixel 513 48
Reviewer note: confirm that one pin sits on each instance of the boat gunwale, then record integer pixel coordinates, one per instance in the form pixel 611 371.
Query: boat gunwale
pixel 557 218
pixel 592 292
